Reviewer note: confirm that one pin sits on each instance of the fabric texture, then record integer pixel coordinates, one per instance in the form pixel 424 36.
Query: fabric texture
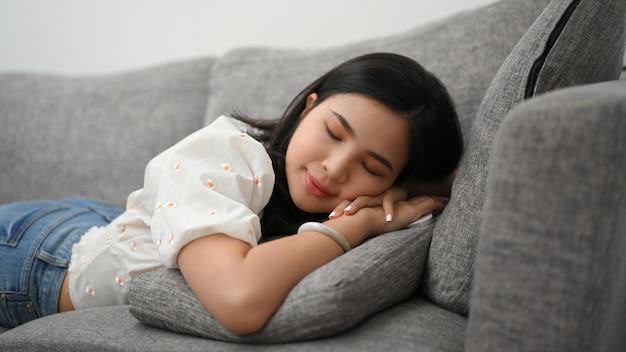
pixel 551 270
pixel 217 180
pixel 571 42
pixel 91 136
pixel 194 188
pixel 461 50
pixel 414 325
pixel 335 297
pixel 36 239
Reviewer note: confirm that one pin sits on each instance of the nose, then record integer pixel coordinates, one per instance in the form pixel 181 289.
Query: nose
pixel 337 166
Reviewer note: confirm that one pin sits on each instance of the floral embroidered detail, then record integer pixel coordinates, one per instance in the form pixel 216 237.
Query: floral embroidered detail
pixel 119 281
pixel 159 244
pixel 90 291
pixel 109 239
pixel 171 238
pixel 83 258
pixel 226 167
pixel 257 181
pixel 170 204
pixel 210 184
pixel 133 245
pixel 212 212
pixel 158 207
pixel 177 167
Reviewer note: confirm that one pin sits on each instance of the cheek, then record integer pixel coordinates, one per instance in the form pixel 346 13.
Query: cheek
pixel 370 186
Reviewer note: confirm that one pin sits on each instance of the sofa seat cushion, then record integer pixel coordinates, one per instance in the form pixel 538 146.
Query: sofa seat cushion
pixel 411 326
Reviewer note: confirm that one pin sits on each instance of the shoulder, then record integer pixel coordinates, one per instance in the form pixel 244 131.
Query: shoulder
pixel 226 128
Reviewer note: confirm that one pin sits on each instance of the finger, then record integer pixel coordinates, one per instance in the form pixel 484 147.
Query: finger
pixel 362 202
pixel 388 205
pixel 339 209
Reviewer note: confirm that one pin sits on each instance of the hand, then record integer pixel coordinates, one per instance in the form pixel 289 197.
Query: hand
pixel 386 199
pixel 412 209
pixel 370 221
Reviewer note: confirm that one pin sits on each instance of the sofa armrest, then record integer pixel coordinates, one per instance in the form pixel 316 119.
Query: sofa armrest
pixel 91 136
pixel 551 270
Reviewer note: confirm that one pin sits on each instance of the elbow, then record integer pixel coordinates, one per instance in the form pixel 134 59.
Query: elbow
pixel 243 314
pixel 245 326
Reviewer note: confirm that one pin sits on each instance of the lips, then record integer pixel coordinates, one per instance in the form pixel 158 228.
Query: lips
pixel 313 185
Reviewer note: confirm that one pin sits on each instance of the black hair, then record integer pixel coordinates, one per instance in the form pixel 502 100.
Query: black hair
pixel 397 82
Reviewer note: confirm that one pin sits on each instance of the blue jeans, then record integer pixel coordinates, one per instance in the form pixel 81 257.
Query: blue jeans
pixel 36 239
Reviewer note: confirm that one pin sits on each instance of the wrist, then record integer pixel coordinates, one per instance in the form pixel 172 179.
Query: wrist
pixel 358 227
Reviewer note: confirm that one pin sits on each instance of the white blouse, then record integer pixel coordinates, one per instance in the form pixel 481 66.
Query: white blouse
pixel 217 180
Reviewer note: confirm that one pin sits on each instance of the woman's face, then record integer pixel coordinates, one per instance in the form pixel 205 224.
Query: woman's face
pixel 346 146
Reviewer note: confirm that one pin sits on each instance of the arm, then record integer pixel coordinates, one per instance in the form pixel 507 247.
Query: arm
pixel 242 286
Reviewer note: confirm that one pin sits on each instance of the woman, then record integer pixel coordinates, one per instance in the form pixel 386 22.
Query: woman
pixel 356 149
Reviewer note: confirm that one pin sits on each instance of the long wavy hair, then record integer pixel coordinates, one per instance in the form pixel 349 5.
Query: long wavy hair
pixel 399 83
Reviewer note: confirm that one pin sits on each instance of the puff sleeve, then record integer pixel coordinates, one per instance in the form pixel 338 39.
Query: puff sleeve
pixel 217 180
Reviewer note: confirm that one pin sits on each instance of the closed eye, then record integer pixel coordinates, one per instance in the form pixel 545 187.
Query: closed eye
pixel 332 135
pixel 370 171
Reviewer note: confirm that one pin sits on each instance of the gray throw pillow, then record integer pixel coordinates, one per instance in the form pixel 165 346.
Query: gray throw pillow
pixel 337 296
pixel 572 42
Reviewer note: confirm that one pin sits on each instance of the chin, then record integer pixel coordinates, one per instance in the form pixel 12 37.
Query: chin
pixel 309 207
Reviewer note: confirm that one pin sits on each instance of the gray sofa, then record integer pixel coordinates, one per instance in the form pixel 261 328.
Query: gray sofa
pixel 527 256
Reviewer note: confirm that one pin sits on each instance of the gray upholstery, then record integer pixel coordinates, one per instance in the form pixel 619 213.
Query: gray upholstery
pixel 461 50
pixel 381 272
pixel 551 270
pixel 93 136
pixel 549 264
pixel 572 42
pixel 415 325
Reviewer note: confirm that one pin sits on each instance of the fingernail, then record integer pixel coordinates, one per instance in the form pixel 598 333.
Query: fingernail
pixel 332 214
pixel 388 218
pixel 348 208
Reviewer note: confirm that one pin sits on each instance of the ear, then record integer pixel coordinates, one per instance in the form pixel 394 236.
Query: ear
pixel 310 99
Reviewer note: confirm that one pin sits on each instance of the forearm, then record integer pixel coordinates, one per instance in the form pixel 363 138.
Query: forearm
pixel 242 287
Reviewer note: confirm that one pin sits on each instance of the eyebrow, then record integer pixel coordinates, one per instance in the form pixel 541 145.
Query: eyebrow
pixel 350 131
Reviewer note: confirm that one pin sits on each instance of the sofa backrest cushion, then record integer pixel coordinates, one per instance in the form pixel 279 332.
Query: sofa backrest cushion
pixel 464 51
pixel 92 136
pixel 573 42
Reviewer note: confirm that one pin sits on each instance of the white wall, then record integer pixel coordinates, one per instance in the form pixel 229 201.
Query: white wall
pixel 101 36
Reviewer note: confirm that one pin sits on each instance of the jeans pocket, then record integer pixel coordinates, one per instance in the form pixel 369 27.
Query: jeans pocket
pixel 17 218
